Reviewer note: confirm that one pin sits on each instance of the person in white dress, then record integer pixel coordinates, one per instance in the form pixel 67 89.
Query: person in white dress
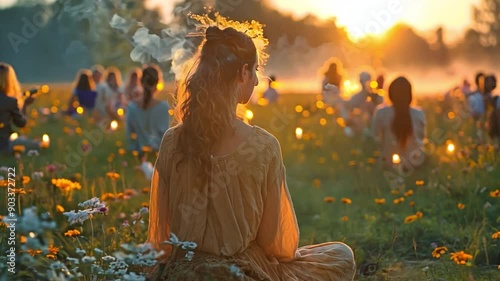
pixel 400 128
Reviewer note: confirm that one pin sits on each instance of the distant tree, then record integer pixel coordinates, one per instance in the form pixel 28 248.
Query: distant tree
pixel 487 21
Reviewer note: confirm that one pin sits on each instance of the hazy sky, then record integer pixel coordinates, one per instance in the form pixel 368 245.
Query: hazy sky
pixel 366 16
pixel 424 15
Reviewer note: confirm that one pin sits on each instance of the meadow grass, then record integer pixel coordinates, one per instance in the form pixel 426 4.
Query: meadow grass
pixel 333 180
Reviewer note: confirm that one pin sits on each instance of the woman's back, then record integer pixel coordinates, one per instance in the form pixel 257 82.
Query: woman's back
pixel 148 124
pixel 86 98
pixel 224 217
pixel 382 126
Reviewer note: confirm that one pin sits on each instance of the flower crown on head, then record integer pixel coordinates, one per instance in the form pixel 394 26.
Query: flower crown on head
pixel 253 29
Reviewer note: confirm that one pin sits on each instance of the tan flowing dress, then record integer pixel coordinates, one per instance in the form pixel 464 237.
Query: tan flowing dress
pixel 246 213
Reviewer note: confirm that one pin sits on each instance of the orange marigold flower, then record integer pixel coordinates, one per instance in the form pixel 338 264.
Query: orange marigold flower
pixel 346 201
pixel 34 252
pixel 352 163
pixel 19 191
pixel 379 201
pixel 460 206
pixel 145 190
pixel 399 200
pixel 112 175
pixel 66 185
pixel 412 203
pixel 439 251
pixel 395 191
pixel 419 214
pixel 345 218
pixel 107 196
pixel 329 199
pixel 145 204
pixel 23 239
pixel 409 193
pixel 59 209
pixel 51 256
pixel 146 149
pixel 316 183
pixel 53 250
pixel 419 183
pixel 26 179
pixel 111 230
pixel 411 218
pixel 72 233
pixel 122 151
pixel 495 193
pixel 460 257
pixel 130 192
pixel 496 235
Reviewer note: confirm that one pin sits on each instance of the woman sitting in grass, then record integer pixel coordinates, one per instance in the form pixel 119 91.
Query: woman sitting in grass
pixel 400 128
pixel 84 92
pixel 110 96
pixel 10 102
pixel 147 120
pixel 221 183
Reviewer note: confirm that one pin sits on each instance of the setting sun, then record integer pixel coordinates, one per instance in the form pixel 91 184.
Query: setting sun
pixel 375 17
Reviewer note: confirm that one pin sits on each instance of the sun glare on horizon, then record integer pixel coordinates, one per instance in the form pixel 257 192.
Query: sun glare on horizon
pixel 366 17
pixel 375 17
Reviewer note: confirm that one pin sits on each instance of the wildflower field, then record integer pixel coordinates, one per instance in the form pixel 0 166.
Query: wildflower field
pixel 82 206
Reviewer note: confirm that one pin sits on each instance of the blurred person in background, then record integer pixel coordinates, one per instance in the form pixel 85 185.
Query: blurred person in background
pixel 477 106
pixel 271 94
pixel 148 119
pixel 400 127
pixel 84 93
pixel 110 96
pixel 332 83
pixel 358 111
pixel 10 102
pixel 132 88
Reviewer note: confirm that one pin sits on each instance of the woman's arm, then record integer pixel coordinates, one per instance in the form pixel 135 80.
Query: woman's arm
pixel 18 117
pixel 278 233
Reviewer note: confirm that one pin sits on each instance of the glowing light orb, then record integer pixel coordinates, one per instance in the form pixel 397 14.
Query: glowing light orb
pixel 114 125
pixel 396 159
pixel 249 114
pixel 298 133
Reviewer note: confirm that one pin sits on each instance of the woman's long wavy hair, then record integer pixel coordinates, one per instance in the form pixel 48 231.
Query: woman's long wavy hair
pixel 333 72
pixel 151 76
pixel 9 84
pixel 83 81
pixel 207 96
pixel 400 94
